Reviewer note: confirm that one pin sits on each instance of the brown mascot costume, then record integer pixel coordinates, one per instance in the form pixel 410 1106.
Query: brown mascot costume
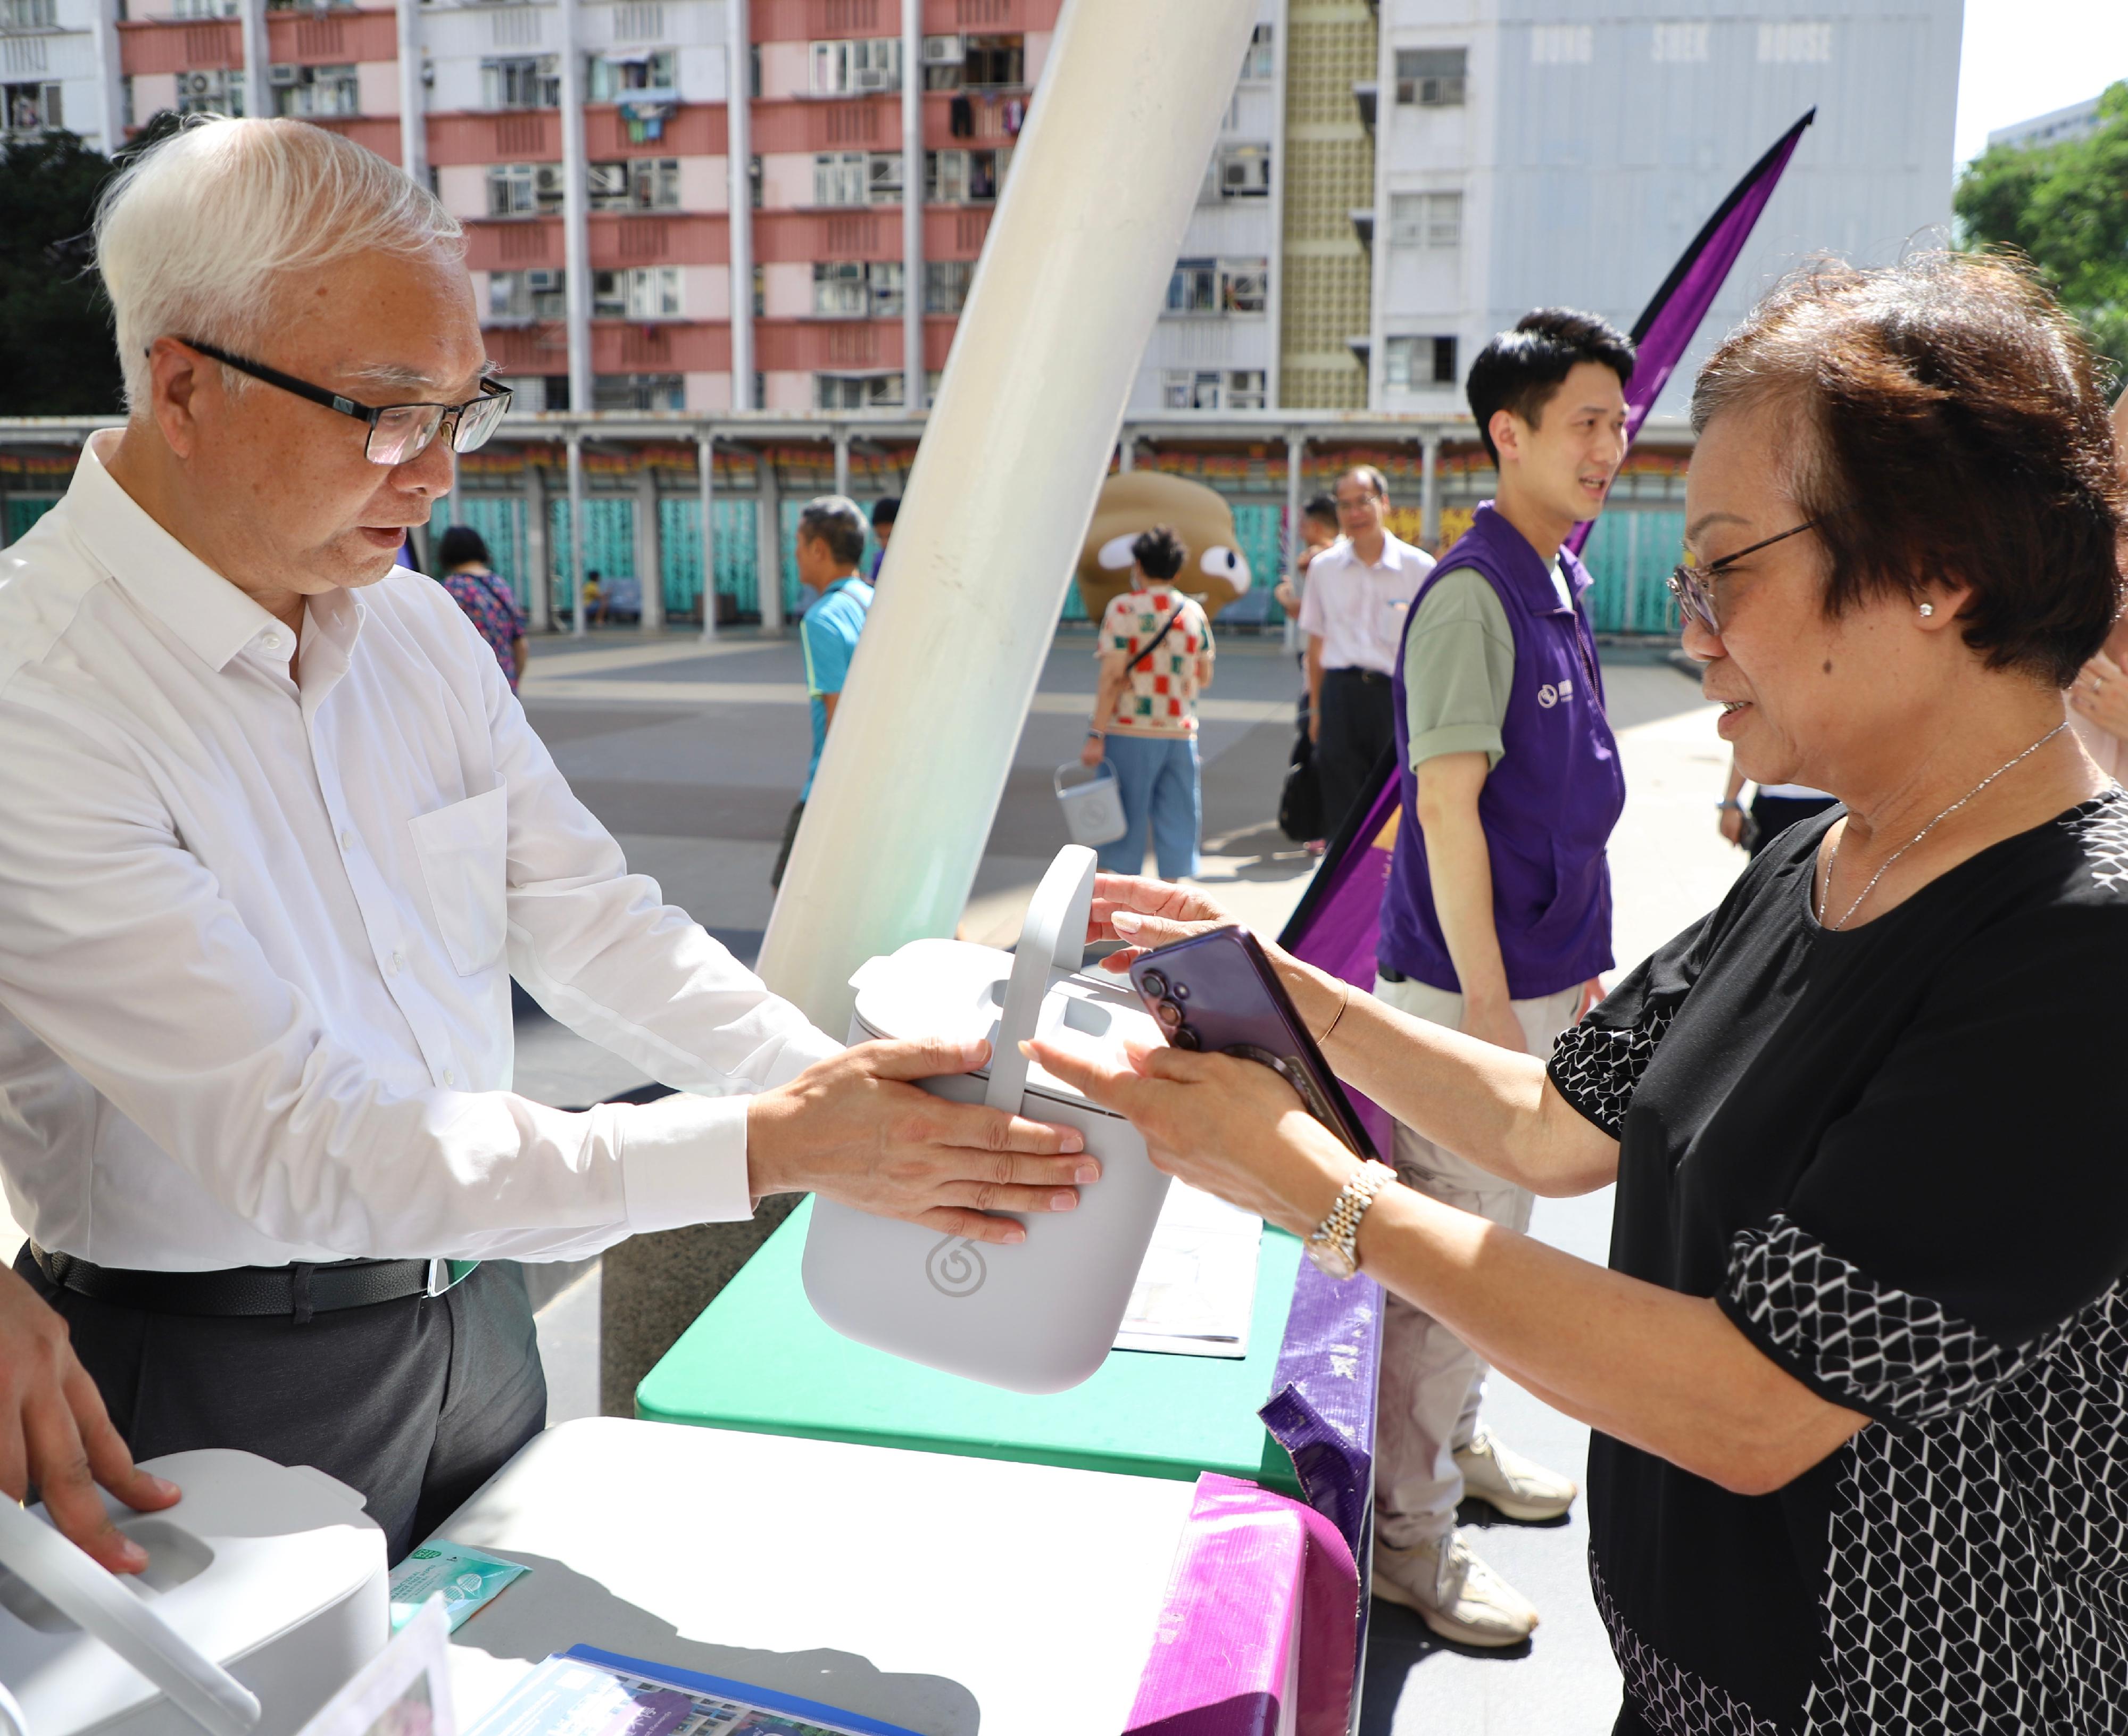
pixel 1216 574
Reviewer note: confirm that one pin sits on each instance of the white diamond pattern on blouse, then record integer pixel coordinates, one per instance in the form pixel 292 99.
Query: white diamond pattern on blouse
pixel 1597 1068
pixel 1976 1576
pixel 2104 836
pixel 1671 1700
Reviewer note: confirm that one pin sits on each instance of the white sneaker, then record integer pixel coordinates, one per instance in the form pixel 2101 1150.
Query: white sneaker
pixel 1456 1594
pixel 1513 1486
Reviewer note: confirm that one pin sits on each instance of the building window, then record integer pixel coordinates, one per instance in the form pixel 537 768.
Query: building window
pixel 641 292
pixel 210 93
pixel 1212 388
pixel 521 81
pixel 857 390
pixel 31 108
pixel 760 311
pixel 993 62
pixel 203 8
pixel 944 59
pixel 527 295
pixel 638 391
pixel 1789 44
pixel 1243 171
pixel 1417 363
pixel 615 76
pixel 1218 286
pixel 754 179
pixel 642 183
pixel 28 14
pixel 1432 78
pixel 1257 64
pixel 309 93
pixel 529 393
pixel 854 290
pixel 856 177
pixel 524 189
pixel 946 285
pixel 1562 45
pixel 1680 43
pixel 1428 220
pixel 964 177
pixel 852 68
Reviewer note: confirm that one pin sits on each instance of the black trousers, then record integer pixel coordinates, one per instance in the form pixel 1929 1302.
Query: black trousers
pixel 416 1403
pixel 1359 721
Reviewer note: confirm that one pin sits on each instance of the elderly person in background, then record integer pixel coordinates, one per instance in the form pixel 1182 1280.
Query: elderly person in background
pixel 486 596
pixel 2098 701
pixel 1859 1368
pixel 292 839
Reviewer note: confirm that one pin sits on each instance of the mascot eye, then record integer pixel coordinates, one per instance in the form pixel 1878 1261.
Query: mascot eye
pixel 1231 564
pixel 1115 555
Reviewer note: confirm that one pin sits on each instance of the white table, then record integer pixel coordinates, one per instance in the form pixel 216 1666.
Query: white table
pixel 948 1595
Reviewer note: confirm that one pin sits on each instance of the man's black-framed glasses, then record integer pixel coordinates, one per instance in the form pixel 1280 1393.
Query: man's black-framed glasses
pixel 398 433
pixel 1693 587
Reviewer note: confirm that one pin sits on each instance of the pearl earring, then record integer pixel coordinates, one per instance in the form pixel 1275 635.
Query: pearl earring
pixel 1928 608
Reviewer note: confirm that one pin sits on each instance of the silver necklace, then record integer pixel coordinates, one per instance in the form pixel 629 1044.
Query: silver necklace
pixel 1833 866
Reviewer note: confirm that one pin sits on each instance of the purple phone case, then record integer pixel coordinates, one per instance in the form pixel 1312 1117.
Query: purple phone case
pixel 1230 1000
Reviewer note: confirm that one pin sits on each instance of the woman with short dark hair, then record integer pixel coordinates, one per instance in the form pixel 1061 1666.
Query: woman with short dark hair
pixel 485 595
pixel 1859 1368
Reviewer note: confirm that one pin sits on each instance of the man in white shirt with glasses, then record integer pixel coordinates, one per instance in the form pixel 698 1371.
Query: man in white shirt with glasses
pixel 278 838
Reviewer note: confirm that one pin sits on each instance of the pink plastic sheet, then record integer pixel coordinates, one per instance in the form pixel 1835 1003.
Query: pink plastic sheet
pixel 1251 1569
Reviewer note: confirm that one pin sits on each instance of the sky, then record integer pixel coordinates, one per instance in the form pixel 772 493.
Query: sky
pixel 2022 57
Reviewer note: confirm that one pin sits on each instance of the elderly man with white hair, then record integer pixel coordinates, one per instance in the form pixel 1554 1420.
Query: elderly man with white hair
pixel 279 838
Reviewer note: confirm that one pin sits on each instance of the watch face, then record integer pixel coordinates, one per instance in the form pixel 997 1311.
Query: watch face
pixel 1331 1258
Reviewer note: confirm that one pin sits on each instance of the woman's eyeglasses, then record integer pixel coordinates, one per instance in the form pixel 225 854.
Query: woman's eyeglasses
pixel 1693 587
pixel 398 433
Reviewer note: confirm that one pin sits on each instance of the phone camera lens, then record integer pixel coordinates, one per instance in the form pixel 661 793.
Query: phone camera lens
pixel 1153 983
pixel 1182 991
pixel 1184 1038
pixel 1169 1014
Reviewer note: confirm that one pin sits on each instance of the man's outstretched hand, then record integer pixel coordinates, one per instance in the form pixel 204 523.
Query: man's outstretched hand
pixel 55 1435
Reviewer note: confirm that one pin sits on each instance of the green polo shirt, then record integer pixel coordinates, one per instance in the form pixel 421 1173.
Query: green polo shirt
pixel 1458 667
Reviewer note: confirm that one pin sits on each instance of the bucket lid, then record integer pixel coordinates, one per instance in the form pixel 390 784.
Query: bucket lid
pixel 955 988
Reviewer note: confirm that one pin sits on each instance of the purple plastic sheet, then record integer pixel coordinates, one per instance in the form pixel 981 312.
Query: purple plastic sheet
pixel 1322 1406
pixel 1263 1590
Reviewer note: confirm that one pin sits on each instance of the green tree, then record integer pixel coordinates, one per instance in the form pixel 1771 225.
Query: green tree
pixel 2065 208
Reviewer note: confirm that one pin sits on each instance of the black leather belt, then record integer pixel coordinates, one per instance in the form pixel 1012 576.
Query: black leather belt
pixel 1358 674
pixel 300 1290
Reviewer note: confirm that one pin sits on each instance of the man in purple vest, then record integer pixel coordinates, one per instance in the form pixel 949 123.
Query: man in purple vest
pixel 1498 916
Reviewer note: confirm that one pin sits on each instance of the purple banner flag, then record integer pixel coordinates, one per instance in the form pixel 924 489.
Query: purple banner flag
pixel 1339 917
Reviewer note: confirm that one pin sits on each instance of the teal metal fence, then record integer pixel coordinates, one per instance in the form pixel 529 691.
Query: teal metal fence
pixel 500 520
pixel 1629 556
pixel 24 510
pixel 608 542
pixel 680 544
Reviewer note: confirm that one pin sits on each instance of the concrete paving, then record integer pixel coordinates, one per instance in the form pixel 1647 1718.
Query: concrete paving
pixel 694 755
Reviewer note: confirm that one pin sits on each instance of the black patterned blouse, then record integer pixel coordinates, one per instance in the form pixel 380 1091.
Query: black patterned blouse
pixel 1897 1158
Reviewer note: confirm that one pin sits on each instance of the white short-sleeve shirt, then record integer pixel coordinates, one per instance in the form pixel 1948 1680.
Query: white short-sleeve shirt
pixel 1359 611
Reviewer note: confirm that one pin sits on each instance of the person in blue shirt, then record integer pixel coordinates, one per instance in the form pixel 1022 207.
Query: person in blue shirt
pixel 831 540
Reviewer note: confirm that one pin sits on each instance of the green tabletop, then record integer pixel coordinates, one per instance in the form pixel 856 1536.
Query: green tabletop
pixel 759 1361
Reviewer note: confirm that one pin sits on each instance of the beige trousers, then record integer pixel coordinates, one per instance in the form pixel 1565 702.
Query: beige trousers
pixel 1433 1383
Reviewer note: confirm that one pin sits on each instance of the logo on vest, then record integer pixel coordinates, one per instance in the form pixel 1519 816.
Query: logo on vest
pixel 1549 695
pixel 954 1268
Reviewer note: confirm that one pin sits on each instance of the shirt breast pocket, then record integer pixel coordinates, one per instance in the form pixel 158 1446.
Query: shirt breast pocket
pixel 464 850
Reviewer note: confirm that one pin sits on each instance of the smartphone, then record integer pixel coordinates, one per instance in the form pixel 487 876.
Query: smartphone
pixel 1218 992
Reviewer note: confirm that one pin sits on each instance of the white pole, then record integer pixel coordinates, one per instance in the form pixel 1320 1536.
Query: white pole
pixel 539 568
pixel 110 92
pixel 576 217
pixel 258 55
pixel 739 73
pixel 577 624
pixel 650 554
pixel 705 460
pixel 413 95
pixel 1063 301
pixel 912 206
pixel 1296 445
pixel 841 461
pixel 768 544
pixel 1429 490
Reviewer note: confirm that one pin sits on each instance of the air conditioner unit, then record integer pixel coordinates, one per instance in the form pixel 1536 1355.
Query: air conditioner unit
pixel 281 75
pixel 873 78
pixel 944 50
pixel 547 178
pixel 199 84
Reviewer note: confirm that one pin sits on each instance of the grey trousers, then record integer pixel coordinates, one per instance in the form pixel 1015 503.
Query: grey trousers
pixel 1432 1383
pixel 415 1403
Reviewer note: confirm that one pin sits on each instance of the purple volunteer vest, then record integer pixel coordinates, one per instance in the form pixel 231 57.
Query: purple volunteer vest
pixel 1547 807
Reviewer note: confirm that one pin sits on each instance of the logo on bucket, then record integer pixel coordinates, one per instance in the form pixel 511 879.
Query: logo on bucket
pixel 955 1268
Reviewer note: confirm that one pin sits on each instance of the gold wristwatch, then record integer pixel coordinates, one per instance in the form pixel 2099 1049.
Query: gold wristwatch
pixel 1332 1247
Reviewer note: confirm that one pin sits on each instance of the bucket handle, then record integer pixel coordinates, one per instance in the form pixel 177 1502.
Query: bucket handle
pixel 96 1603
pixel 1053 937
pixel 1057 779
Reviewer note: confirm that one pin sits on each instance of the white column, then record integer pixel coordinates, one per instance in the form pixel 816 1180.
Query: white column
pixel 649 552
pixel 705 460
pixel 576 623
pixel 413 95
pixel 912 206
pixel 841 461
pixel 1429 489
pixel 1070 282
pixel 1296 448
pixel 258 55
pixel 538 569
pixel 576 219
pixel 1126 453
pixel 1274 289
pixel 769 543
pixel 738 147
pixel 109 77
